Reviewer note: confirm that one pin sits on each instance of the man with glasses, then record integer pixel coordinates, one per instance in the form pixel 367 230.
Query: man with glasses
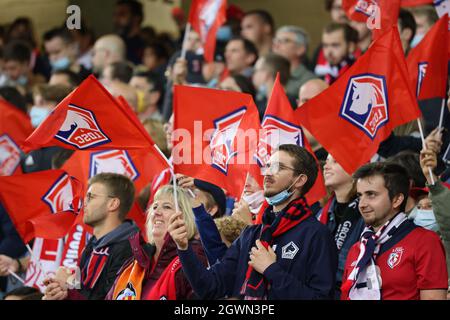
pixel 289 256
pixel 107 202
pixel 292 42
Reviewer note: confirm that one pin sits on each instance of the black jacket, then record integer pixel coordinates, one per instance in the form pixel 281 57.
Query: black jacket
pixel 110 251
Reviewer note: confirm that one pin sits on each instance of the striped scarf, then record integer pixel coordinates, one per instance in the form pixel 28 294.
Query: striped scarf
pixel 364 281
pixel 93 268
pixel 255 285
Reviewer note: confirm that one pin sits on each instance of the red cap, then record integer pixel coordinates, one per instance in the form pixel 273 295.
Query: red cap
pixel 417 192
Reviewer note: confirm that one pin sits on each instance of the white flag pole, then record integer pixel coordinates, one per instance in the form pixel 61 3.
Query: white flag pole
pixel 186 35
pixel 441 117
pixel 424 147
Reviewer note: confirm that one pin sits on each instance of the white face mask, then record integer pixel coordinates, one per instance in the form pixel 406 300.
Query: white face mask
pixel 426 219
pixel 254 200
pixel 38 114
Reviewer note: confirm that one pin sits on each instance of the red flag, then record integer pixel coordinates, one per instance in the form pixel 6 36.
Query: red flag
pixel 214 141
pixel 206 17
pixel 15 127
pixel 42 204
pixel 362 107
pixel 380 15
pixel 281 127
pixel 77 237
pixel 427 62
pixel 414 3
pixel 442 8
pixel 140 165
pixel 90 118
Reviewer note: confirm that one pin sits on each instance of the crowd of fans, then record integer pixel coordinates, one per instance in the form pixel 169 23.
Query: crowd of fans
pixel 382 232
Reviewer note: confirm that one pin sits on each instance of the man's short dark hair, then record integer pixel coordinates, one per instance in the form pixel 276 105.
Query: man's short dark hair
pixel 329 5
pixel 152 78
pixel 275 63
pixel 159 49
pixel 265 16
pixel 410 160
pixel 17 51
pixel 134 6
pixel 119 186
pixel 121 71
pixel 14 97
pixel 74 78
pixel 304 163
pixel 25 293
pixel 396 178
pixel 60 32
pixel 407 21
pixel 249 47
pixel 350 34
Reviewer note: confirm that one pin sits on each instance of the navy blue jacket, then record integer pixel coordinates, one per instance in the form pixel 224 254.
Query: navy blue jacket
pixel 209 235
pixel 310 274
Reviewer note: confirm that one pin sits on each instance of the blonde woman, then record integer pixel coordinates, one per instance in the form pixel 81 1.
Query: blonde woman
pixel 155 273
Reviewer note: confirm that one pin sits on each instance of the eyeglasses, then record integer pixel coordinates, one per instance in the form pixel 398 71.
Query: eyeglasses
pixel 274 168
pixel 89 196
pixel 283 40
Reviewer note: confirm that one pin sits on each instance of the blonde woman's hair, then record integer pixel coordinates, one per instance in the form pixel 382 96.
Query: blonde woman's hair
pixel 184 205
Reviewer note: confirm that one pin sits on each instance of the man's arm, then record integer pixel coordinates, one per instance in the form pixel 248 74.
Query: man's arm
pixel 438 294
pixel 209 235
pixel 213 283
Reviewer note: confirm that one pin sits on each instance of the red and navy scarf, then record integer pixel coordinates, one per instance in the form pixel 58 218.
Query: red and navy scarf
pixel 255 285
pixel 94 267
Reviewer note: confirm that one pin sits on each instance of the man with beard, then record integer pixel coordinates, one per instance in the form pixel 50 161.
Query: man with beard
pixel 394 259
pixel 289 256
pixel 339 42
pixel 127 19
pixel 107 202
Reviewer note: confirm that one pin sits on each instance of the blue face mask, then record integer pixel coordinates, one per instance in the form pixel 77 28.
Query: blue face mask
pixel 417 38
pixel 262 92
pixel 60 64
pixel 37 115
pixel 21 81
pixel 426 219
pixel 282 196
pixel 224 33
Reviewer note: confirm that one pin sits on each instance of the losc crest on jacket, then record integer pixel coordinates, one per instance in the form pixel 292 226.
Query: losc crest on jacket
pixel 115 161
pixel 80 129
pixel 9 155
pixel 60 195
pixel 276 132
pixel 223 140
pixel 365 104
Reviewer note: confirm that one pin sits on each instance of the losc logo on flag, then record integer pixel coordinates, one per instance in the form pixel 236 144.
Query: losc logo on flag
pixel 422 71
pixel 222 140
pixel 9 155
pixel 365 7
pixel 365 103
pixel 80 129
pixel 60 196
pixel 114 161
pixel 276 132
